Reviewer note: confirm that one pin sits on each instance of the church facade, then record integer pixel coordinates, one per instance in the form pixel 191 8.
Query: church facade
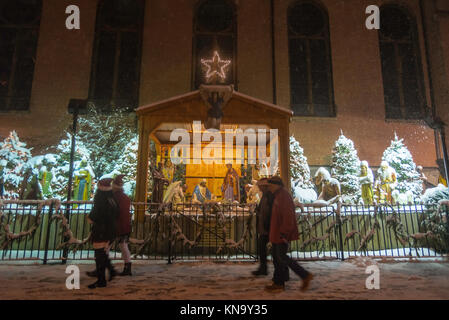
pixel 316 58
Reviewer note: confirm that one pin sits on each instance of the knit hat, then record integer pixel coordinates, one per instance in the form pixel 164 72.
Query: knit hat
pixel 104 184
pixel 118 181
pixel 262 182
pixel 276 180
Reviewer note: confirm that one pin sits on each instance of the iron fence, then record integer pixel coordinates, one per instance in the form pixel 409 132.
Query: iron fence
pixel 54 231
pixel 345 231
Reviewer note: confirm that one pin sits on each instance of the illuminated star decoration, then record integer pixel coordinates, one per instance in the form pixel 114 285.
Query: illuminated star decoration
pixel 215 67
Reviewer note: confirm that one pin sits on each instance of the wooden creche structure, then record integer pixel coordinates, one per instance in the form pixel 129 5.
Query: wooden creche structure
pixel 239 111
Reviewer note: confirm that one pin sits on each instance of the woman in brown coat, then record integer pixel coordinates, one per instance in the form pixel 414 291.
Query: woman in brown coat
pixel 283 229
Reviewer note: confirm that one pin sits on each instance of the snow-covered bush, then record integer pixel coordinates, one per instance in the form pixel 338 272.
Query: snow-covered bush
pixel 308 195
pixel 434 195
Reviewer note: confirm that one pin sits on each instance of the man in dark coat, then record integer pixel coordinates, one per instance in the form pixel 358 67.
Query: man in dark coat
pixel 123 222
pixel 283 229
pixel 263 212
pixel 104 230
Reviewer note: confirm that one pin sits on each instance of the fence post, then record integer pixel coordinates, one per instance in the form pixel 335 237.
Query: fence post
pixel 169 235
pixel 257 235
pixel 65 251
pixel 447 219
pixel 340 231
pixel 47 236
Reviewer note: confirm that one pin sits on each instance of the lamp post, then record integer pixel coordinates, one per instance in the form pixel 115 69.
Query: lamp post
pixel 75 107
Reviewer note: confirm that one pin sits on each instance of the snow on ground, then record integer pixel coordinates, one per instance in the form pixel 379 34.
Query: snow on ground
pixel 53 255
pixel 230 280
pixel 358 210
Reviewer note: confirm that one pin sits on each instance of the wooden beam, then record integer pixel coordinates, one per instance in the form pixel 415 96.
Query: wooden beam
pixel 142 169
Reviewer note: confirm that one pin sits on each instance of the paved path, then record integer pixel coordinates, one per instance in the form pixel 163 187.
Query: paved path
pixel 210 281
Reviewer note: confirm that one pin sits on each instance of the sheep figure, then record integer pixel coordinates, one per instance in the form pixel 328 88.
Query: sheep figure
pixel 402 198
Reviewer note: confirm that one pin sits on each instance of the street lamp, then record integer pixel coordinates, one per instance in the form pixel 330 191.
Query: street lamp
pixel 76 107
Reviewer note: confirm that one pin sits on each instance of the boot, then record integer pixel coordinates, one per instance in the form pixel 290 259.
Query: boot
pixel 110 267
pixel 275 288
pixel 306 282
pixel 126 270
pixel 262 271
pixel 100 261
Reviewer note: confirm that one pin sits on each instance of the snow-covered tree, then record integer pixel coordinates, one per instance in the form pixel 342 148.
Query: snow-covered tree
pixel 127 165
pixel 14 156
pixel 106 136
pixel 399 157
pixel 346 167
pixel 299 168
pixel 62 166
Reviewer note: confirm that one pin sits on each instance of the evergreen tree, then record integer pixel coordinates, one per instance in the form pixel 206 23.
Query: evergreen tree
pixel 14 156
pixel 127 165
pixel 399 157
pixel 62 166
pixel 346 167
pixel 299 168
pixel 106 135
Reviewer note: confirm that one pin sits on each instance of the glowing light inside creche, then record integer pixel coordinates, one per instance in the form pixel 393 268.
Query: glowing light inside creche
pixel 215 66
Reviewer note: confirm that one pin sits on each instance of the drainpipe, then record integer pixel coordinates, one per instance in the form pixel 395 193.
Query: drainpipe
pixel 445 157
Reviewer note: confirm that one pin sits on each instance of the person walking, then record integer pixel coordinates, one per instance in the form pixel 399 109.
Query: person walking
pixel 283 229
pixel 103 218
pixel 263 214
pixel 123 222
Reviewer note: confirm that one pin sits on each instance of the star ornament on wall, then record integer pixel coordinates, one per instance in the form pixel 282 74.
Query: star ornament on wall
pixel 215 67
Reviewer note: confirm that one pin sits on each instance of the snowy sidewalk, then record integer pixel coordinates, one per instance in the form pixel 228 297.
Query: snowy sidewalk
pixel 231 280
